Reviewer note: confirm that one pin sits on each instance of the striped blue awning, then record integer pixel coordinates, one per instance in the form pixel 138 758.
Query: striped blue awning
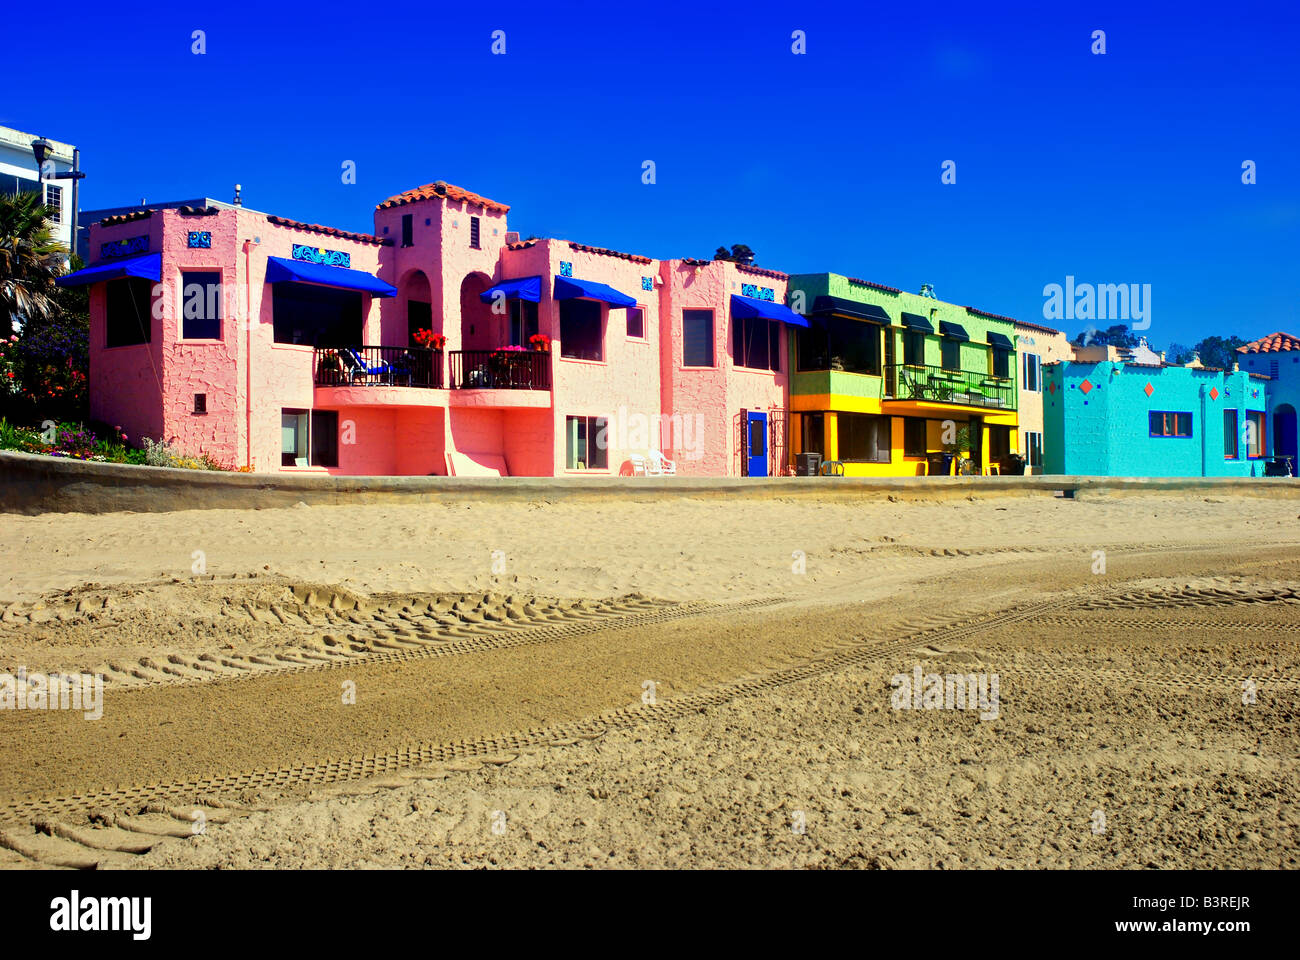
pixel 280 270
pixel 149 267
pixel 571 288
pixel 524 288
pixel 745 307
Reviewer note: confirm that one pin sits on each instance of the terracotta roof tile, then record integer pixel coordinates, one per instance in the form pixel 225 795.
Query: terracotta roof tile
pixel 634 257
pixel 441 190
pixel 877 286
pixel 761 272
pixel 1039 326
pixel 1274 343
pixel 995 316
pixel 327 231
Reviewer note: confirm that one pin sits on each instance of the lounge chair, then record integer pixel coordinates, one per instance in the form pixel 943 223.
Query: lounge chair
pixel 357 367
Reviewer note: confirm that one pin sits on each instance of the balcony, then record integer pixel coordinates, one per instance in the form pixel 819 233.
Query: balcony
pixel 968 388
pixel 500 369
pixel 369 366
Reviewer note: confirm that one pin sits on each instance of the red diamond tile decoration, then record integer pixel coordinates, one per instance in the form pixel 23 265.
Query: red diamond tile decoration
pixel 1051 388
pixel 1214 393
pixel 1148 389
pixel 1085 386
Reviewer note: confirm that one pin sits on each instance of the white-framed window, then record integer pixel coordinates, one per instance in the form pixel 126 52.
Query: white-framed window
pixel 54 200
pixel 293 438
pixel 1033 449
pixel 1031 378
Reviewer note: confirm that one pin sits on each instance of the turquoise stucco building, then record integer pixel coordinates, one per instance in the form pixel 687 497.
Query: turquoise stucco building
pixel 1135 420
pixel 1277 356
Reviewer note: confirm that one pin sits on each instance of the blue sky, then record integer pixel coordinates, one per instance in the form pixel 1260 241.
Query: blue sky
pixel 1122 168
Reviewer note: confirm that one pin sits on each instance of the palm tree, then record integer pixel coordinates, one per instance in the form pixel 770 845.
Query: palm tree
pixel 30 259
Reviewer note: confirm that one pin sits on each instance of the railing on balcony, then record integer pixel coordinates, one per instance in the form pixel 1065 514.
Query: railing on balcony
pixel 500 369
pixel 378 366
pixel 906 381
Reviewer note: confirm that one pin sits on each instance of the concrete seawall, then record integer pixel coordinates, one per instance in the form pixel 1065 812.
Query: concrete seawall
pixel 34 484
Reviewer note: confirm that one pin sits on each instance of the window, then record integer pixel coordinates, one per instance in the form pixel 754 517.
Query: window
pixel 324 438
pixel 586 443
pixel 474 233
pixel 11 186
pixel 315 315
pixel 697 338
pixel 757 438
pixel 756 343
pixel 200 305
pixel 811 433
pixel 1231 450
pixel 580 330
pixel 293 438
pixel 1032 375
pixel 915 442
pixel 200 403
pixel 1255 445
pixel 54 200
pixel 838 343
pixel 950 354
pixel 1034 449
pixel 128 311
pixel 863 437
pixel 523 322
pixel 1165 424
pixel 1002 363
pixel 914 348
pixel 408 230
pixel 636 323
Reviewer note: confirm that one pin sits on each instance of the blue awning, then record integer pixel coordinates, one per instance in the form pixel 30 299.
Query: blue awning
pixel 1001 341
pixel 148 266
pixel 744 307
pixel 915 322
pixel 570 288
pixel 953 331
pixel 280 270
pixel 525 288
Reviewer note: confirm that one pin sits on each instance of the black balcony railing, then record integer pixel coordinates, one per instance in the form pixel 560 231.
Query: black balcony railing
pixel 378 366
pixel 905 381
pixel 500 369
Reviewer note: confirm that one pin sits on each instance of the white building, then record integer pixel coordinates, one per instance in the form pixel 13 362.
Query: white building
pixel 18 174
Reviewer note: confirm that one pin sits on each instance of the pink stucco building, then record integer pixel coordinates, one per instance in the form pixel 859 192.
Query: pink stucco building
pixel 441 344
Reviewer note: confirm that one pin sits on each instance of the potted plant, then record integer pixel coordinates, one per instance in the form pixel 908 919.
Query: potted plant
pixel 959 444
pixel 430 340
pixel 540 342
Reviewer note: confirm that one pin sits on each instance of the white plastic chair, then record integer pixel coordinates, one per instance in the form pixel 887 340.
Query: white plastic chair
pixel 661 466
pixel 638 464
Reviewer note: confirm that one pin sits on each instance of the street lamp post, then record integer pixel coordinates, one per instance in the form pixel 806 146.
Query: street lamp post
pixel 41 149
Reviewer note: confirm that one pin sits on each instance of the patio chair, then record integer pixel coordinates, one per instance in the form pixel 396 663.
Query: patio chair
pixel 357 367
pixel 658 465
pixel 638 464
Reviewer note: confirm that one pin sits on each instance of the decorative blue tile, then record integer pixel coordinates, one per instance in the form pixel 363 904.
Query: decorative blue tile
pixel 647 283
pixel 123 248
pixel 330 258
pixel 566 268
pixel 201 239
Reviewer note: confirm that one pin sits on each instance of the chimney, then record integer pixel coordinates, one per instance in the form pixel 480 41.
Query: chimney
pixel 238 201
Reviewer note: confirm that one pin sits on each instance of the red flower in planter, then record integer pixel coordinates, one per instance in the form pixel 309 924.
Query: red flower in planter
pixel 540 341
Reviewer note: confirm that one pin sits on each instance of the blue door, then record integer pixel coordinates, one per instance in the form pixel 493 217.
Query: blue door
pixel 756 444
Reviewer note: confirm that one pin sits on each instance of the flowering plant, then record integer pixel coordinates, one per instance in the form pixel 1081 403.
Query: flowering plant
pixel 540 341
pixel 430 340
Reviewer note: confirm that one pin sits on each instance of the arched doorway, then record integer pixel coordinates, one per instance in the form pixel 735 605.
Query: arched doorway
pixel 418 297
pixel 479 328
pixel 1284 432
